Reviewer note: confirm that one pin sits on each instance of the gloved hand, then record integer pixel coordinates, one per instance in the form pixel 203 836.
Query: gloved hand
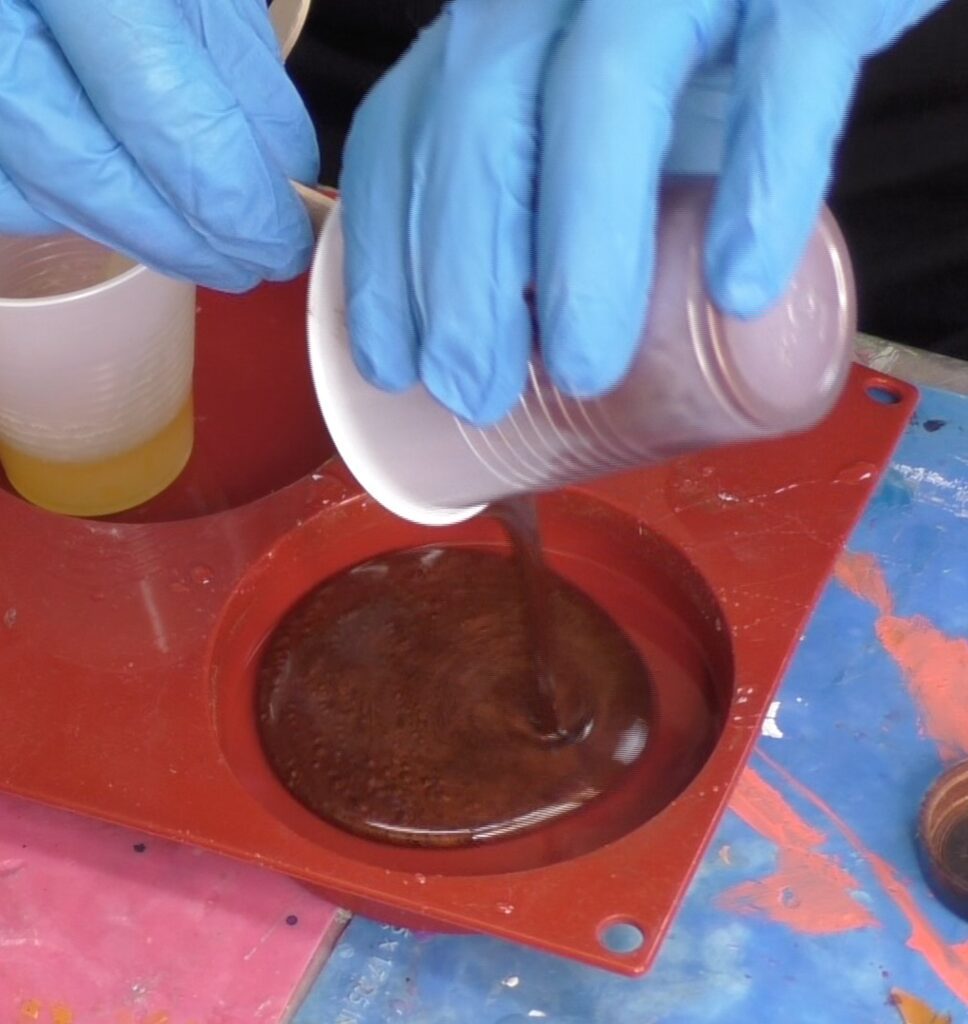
pixel 522 140
pixel 166 129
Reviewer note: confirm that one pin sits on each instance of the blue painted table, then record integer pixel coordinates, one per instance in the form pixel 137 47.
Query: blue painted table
pixel 809 906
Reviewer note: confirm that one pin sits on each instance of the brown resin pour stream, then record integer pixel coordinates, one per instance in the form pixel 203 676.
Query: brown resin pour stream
pixel 448 695
pixel 553 722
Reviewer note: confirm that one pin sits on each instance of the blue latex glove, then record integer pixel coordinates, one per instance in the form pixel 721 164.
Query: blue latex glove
pixel 522 140
pixel 166 129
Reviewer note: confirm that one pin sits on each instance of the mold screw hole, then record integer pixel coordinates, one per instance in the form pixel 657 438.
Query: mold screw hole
pixel 621 936
pixel 883 394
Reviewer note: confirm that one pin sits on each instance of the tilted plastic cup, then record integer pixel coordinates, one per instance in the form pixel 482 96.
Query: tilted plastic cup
pixel 699 379
pixel 96 360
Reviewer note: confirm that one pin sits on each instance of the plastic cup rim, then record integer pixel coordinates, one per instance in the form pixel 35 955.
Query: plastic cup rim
pixel 371 481
pixel 334 411
pixel 80 294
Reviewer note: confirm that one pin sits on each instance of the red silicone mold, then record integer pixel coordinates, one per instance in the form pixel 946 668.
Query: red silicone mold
pixel 128 647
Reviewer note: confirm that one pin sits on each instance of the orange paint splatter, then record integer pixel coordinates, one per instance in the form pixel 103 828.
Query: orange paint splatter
pixel 916 1011
pixel 61 1014
pixel 862 575
pixel 766 811
pixel 934 665
pixel 950 963
pixel 30 1009
pixel 809 891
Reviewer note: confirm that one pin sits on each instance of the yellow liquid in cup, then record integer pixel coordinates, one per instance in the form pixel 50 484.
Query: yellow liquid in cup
pixel 109 485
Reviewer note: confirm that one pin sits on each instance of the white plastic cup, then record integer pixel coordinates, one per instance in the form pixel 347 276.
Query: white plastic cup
pixel 699 379
pixel 96 361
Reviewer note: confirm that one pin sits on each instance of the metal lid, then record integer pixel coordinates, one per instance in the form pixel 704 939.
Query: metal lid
pixel 943 838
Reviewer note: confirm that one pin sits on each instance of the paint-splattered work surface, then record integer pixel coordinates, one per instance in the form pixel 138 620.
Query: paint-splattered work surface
pixel 101 925
pixel 809 906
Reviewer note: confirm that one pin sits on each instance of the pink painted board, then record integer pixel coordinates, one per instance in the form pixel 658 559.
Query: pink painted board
pixel 104 925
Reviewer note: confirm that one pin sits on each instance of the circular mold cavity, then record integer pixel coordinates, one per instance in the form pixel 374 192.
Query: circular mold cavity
pixel 647 587
pixel 258 427
pixel 419 699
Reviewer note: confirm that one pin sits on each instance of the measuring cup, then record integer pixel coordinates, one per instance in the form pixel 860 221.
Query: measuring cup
pixel 700 378
pixel 96 358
